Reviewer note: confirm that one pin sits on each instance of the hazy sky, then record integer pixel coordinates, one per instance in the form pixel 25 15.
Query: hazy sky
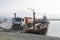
pixel 49 7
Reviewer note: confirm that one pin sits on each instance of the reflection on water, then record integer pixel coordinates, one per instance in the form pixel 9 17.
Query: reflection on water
pixel 54 29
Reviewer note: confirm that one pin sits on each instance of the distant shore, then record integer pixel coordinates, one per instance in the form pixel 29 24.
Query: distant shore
pixel 24 36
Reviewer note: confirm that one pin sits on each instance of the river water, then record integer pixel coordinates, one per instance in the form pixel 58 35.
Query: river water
pixel 54 29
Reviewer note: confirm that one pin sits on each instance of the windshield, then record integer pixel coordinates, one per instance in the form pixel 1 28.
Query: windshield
pixel 17 19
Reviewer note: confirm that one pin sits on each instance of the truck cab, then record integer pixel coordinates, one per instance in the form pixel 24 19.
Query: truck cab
pixel 17 23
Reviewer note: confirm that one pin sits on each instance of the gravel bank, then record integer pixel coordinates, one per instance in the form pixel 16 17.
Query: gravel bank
pixel 24 36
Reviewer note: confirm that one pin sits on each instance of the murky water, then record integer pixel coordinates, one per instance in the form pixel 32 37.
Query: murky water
pixel 54 29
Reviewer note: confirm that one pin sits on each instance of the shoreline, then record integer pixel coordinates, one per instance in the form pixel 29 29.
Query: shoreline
pixel 24 36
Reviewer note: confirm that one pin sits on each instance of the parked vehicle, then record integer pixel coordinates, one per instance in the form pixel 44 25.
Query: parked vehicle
pixel 17 23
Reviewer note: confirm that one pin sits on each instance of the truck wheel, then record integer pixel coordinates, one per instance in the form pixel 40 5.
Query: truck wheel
pixel 43 31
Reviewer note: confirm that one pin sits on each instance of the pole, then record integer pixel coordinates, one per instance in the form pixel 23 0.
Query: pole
pixel 33 20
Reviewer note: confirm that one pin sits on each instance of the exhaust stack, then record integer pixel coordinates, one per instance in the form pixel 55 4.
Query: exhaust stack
pixel 14 15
